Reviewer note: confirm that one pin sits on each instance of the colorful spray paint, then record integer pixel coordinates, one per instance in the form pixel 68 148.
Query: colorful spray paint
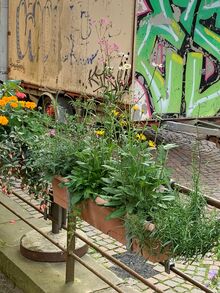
pixel 177 58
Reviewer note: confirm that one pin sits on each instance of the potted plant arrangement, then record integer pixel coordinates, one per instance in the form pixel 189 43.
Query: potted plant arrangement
pixel 106 156
pixel 119 182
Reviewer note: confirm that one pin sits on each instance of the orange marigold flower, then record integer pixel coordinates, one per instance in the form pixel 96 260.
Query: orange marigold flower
pixel 10 99
pixel 3 120
pixel 2 103
pixel 14 105
pixel 30 105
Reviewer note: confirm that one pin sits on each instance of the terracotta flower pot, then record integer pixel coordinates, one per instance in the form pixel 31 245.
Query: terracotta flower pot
pixel 60 193
pixel 152 252
pixel 95 213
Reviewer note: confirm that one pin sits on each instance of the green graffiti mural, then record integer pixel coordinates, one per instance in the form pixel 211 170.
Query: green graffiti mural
pixel 177 57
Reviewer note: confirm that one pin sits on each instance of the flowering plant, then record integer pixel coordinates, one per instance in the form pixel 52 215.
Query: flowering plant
pixel 20 126
pixel 111 77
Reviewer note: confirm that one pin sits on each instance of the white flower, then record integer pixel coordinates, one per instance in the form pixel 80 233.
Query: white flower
pixel 124 67
pixel 127 66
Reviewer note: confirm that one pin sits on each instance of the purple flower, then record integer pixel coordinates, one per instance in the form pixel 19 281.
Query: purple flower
pixel 212 274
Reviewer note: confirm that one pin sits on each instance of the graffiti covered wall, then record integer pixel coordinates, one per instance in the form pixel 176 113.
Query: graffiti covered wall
pixel 178 58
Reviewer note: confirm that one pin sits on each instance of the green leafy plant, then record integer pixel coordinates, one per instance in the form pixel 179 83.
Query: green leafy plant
pixel 20 127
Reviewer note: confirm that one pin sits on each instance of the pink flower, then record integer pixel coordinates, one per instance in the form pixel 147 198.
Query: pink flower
pixel 105 21
pixel 52 132
pixel 20 95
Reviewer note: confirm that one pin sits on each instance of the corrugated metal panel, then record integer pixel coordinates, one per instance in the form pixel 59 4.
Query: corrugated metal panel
pixel 3 39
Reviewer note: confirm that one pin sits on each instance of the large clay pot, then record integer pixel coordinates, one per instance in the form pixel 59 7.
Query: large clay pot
pixel 95 213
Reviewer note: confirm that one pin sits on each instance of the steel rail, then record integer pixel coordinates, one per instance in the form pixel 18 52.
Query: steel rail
pixel 63 249
pixel 105 254
pixel 210 200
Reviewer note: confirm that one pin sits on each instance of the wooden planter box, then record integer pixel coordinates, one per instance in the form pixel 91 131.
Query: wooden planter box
pixel 95 215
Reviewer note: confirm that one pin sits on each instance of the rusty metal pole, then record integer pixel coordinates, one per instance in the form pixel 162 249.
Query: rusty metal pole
pixel 71 244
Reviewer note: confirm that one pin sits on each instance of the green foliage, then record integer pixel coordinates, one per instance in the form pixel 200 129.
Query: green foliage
pixel 10 88
pixel 190 230
pixel 136 181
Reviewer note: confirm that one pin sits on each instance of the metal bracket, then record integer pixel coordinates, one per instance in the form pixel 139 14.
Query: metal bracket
pixel 168 264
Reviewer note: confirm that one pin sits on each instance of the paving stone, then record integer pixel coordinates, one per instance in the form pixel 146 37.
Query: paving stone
pixel 152 280
pixel 162 287
pixel 170 283
pixel 159 268
pixel 111 246
pixel 180 289
pixel 179 280
pixel 196 291
pixel 187 286
pixel 161 277
pixel 120 250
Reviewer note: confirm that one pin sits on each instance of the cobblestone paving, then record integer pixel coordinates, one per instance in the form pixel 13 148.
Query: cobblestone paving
pixel 167 282
pixel 6 286
pixel 207 157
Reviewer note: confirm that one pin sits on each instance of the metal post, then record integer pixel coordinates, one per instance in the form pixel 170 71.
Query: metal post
pixel 3 39
pixel 71 243
pixel 56 212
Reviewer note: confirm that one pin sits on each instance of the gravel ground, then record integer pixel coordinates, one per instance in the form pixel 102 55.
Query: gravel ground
pixel 6 286
pixel 136 263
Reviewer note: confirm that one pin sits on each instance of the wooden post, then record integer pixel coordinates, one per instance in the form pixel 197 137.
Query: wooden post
pixel 71 242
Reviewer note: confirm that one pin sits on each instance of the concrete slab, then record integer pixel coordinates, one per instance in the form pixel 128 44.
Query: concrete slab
pixel 37 277
pixel 5 215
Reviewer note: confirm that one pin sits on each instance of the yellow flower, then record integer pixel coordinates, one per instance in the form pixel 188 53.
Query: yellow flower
pixel 100 132
pixel 122 123
pixel 151 144
pixel 135 108
pixel 141 137
pixel 3 120
pixel 30 105
pixel 115 113
pixel 14 105
pixel 22 104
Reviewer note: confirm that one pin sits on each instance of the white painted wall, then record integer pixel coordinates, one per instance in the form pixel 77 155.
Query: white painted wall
pixel 3 39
